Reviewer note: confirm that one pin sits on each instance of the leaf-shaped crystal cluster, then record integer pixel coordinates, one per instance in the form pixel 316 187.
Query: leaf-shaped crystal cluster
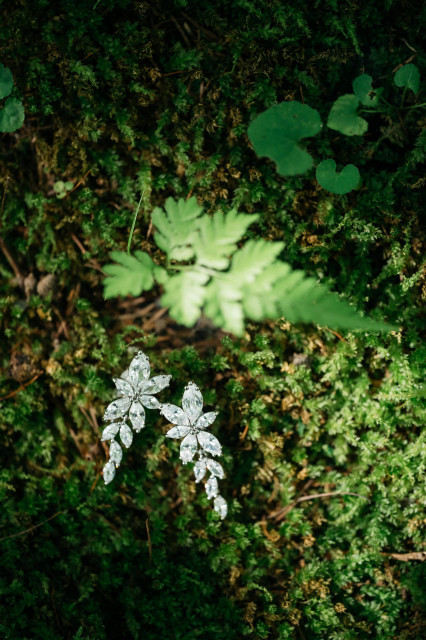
pixel 191 424
pixel 137 392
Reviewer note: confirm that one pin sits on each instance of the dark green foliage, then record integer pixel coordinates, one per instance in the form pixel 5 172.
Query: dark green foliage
pixel 156 98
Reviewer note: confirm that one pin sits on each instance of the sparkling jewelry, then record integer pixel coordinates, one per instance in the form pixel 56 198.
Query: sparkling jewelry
pixel 190 424
pixel 137 390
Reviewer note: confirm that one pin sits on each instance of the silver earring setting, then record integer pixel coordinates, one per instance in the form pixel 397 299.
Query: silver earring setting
pixel 190 424
pixel 137 391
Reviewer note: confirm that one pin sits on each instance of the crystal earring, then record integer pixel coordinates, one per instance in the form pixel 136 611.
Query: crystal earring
pixel 137 391
pixel 190 424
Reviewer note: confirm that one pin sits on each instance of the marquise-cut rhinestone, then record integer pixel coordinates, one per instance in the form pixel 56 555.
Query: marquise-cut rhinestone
pixel 150 402
pixel 139 369
pixel 115 453
pixel 123 387
pixel 174 414
pixel 209 442
pixel 126 435
pixel 192 402
pixel 206 420
pixel 178 432
pixel 199 470
pixel 188 448
pixel 155 385
pixel 117 409
pixel 215 468
pixel 137 416
pixel 108 472
pixel 212 488
pixel 110 431
pixel 220 505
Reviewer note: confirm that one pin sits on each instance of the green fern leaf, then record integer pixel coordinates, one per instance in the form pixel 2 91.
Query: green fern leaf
pixel 176 228
pixel 218 236
pixel 252 258
pixel 301 299
pixel 131 275
pixel 184 294
pixel 224 305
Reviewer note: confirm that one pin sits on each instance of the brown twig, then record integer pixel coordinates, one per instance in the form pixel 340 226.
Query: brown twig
pixel 244 433
pixel 181 31
pixel 21 533
pixel 172 73
pixel 21 387
pixel 3 247
pixel 336 334
pixel 79 244
pixel 79 182
pixel 281 513
pixel 149 541
pixel 406 557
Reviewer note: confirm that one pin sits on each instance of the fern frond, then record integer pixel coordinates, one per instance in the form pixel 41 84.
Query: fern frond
pixel 131 275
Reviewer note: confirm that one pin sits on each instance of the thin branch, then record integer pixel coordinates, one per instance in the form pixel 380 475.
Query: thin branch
pixel 149 541
pixel 134 222
pixel 79 182
pixel 406 557
pixel 281 513
pixel 21 387
pixel 21 533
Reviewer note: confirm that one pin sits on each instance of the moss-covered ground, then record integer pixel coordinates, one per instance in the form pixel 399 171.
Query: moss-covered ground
pixel 123 96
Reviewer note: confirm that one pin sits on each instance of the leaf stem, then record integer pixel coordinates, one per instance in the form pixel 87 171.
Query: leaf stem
pixel 415 106
pixel 134 222
pixel 403 95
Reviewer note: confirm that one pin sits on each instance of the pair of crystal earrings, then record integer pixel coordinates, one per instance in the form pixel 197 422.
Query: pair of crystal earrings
pixel 137 390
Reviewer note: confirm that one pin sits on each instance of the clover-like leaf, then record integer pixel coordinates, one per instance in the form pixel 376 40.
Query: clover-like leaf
pixel 343 182
pixel 6 81
pixel 12 116
pixel 277 132
pixel 343 116
pixel 408 76
pixel 362 86
pixel 131 275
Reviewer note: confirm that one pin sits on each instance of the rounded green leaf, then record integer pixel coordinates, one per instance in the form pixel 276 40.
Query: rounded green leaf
pixel 276 134
pixel 12 116
pixel 363 90
pixel 343 116
pixel 6 81
pixel 408 76
pixel 343 182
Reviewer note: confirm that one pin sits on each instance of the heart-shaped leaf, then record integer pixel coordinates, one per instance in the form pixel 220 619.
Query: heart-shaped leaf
pixel 12 116
pixel 344 118
pixel 276 134
pixel 363 90
pixel 6 81
pixel 408 76
pixel 343 182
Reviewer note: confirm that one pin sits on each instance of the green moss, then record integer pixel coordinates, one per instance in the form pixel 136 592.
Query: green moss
pixel 158 97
